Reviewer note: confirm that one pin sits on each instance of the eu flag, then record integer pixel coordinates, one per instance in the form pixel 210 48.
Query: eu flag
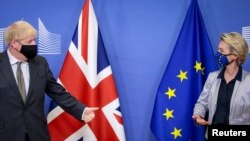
pixel 182 82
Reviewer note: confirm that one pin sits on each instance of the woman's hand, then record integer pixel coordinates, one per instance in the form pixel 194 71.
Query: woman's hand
pixel 199 120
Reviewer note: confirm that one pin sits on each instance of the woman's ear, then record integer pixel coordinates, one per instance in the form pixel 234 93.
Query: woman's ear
pixel 235 57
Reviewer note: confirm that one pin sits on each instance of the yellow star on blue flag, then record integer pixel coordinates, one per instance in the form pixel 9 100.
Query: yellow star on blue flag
pixel 182 75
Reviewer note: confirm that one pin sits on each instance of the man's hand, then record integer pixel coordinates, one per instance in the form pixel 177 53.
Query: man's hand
pixel 88 113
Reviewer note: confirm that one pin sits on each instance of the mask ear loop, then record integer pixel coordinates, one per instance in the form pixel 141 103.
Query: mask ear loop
pixel 231 61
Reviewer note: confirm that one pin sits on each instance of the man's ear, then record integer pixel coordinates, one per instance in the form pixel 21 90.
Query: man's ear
pixel 14 44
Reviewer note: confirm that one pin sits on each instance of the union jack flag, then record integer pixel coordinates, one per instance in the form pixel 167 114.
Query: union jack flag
pixel 87 75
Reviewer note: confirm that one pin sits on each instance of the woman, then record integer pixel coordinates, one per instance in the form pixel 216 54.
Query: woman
pixel 226 93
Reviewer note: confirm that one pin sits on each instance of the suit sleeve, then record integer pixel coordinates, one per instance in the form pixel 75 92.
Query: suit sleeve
pixel 64 99
pixel 201 106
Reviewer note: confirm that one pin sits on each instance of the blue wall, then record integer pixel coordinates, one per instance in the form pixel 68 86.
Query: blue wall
pixel 139 36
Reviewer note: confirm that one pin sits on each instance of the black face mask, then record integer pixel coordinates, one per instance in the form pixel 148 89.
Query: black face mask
pixel 29 51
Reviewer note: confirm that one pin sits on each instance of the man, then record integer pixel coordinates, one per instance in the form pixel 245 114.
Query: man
pixel 24 79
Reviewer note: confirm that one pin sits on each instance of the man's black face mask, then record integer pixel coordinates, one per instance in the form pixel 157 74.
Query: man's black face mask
pixel 29 51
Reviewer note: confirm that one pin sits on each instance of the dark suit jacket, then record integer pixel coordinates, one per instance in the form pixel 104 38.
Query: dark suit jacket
pixel 18 117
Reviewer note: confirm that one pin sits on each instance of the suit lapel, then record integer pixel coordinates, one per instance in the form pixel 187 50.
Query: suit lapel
pixel 8 72
pixel 234 94
pixel 32 78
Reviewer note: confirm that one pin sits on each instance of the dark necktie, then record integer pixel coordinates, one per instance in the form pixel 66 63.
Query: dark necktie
pixel 20 81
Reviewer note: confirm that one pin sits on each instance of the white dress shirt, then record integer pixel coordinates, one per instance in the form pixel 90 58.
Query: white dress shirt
pixel 24 67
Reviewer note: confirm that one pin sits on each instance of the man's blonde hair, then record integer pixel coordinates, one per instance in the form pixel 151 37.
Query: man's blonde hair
pixel 18 31
pixel 238 45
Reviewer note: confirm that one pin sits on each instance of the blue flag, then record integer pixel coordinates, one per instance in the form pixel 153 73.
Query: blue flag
pixel 183 80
